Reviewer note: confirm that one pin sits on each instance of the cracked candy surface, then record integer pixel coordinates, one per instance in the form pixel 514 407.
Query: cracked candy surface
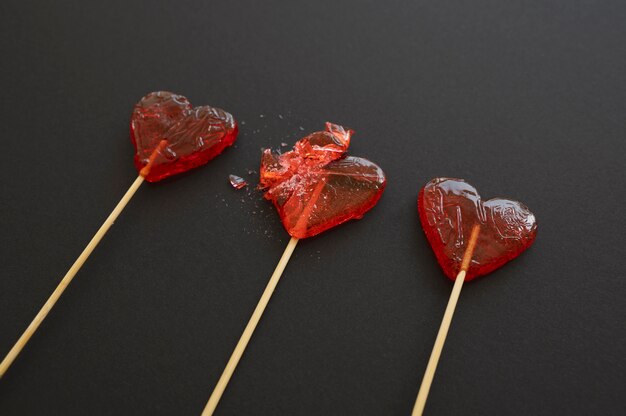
pixel 449 208
pixel 193 135
pixel 316 186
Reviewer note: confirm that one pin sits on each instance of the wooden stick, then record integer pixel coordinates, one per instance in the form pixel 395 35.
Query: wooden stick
pixel 41 315
pixel 247 333
pixel 445 325
pixel 67 279
pixel 265 298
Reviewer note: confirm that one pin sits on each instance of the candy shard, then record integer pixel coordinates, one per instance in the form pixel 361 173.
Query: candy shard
pixel 237 182
pixel 194 135
pixel 315 186
pixel 448 210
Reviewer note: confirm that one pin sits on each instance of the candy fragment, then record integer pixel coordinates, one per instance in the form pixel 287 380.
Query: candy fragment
pixel 192 135
pixel 316 186
pixel 448 210
pixel 237 182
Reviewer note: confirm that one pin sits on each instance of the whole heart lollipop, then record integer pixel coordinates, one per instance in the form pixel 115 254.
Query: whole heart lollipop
pixel 470 238
pixel 449 209
pixel 314 187
pixel 170 137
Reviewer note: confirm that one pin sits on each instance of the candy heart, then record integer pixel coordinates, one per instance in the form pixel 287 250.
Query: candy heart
pixel 315 186
pixel 175 137
pixel 449 208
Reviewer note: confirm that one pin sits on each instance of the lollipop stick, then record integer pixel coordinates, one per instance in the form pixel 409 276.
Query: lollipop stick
pixel 247 333
pixel 41 315
pixel 445 325
pixel 265 298
pixel 43 312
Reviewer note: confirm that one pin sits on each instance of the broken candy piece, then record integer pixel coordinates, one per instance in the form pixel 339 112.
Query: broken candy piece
pixel 192 135
pixel 237 182
pixel 449 208
pixel 315 186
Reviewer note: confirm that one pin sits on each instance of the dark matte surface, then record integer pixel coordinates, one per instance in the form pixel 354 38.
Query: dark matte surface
pixel 522 99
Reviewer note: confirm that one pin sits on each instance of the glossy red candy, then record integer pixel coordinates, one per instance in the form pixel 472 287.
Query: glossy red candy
pixel 316 186
pixel 449 209
pixel 172 137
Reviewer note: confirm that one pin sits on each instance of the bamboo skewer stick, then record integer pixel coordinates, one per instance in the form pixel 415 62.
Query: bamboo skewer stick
pixel 67 279
pixel 265 298
pixel 247 333
pixel 422 396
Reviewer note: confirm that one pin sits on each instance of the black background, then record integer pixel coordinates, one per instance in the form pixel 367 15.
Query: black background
pixel 524 99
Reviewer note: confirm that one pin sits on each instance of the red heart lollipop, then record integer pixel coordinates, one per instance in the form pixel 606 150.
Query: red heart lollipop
pixel 315 186
pixel 170 136
pixel 192 135
pixel 449 208
pixel 470 238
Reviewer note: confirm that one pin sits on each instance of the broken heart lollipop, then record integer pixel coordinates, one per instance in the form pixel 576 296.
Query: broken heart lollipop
pixel 314 187
pixel 170 137
pixel 470 238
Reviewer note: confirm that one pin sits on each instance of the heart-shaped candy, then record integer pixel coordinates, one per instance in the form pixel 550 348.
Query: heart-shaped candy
pixel 172 137
pixel 449 209
pixel 315 186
